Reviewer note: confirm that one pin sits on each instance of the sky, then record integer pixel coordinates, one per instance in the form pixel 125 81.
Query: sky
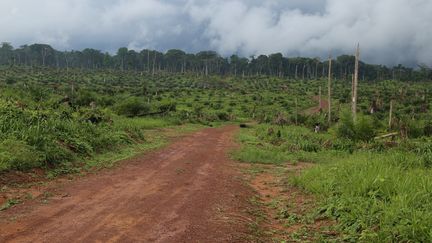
pixel 389 31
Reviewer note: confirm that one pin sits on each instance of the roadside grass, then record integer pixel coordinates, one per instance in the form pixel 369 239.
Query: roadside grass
pixel 287 213
pixel 123 123
pixel 155 134
pixel 373 198
pixel 266 144
pixel 376 194
pixel 9 203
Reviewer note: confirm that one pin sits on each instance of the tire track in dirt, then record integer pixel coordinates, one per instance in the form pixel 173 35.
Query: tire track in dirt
pixel 182 193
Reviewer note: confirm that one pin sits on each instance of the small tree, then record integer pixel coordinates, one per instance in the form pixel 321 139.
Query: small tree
pixel 346 128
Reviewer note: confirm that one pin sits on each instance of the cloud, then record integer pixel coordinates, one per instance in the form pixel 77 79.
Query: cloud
pixel 389 31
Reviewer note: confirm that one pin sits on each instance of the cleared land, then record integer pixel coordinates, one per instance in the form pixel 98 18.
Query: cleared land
pixel 186 192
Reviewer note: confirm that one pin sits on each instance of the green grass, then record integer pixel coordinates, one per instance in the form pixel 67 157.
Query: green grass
pixel 258 155
pixel 275 145
pixel 123 123
pixel 376 194
pixel 154 138
pixel 9 203
pixel 373 198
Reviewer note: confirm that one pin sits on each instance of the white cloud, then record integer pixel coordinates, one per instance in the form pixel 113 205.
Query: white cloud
pixel 389 31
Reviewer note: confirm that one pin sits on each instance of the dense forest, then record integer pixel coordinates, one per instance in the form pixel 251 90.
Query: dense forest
pixel 205 63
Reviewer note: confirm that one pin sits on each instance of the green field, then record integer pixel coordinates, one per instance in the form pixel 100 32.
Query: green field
pixel 376 189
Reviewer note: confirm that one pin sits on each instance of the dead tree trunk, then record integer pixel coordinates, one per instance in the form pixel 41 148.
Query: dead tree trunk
pixel 390 115
pixel 148 61
pixel 303 72
pixel 154 65
pixel 296 111
pixel 329 89
pixel 355 84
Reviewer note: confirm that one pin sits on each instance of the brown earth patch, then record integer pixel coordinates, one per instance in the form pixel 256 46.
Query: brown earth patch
pixel 323 107
pixel 288 210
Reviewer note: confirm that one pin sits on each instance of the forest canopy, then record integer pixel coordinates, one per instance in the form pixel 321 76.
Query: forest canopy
pixel 205 62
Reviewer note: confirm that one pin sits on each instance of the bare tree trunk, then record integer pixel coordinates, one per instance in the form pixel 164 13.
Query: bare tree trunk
pixel 67 64
pixel 323 71
pixel 73 91
pixel 355 84
pixel 329 89
pixel 44 53
pixel 154 64
pixel 148 61
pixel 296 111
pixel 303 72
pixel 184 66
pixel 296 69
pixel 390 115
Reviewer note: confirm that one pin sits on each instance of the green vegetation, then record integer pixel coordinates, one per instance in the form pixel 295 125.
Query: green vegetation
pixel 203 63
pixel 47 134
pixel 374 196
pixel 9 203
pixel 61 119
pixel 378 191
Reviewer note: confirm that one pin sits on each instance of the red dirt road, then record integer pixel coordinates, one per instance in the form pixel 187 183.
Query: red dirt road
pixel 186 192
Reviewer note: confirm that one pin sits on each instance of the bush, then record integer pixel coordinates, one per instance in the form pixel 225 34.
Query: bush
pixel 364 129
pixel 222 116
pixel 84 98
pixel 428 129
pixel 132 107
pixel 15 154
pixel 415 129
pixel 167 107
pixel 346 128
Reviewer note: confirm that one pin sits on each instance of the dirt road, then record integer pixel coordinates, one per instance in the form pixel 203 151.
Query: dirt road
pixel 186 192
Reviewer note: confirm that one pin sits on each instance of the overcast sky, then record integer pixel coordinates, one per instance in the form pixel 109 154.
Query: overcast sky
pixel 389 31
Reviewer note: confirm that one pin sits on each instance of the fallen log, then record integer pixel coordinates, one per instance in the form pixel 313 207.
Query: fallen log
pixel 387 135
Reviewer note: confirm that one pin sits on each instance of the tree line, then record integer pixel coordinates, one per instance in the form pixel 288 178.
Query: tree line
pixel 206 63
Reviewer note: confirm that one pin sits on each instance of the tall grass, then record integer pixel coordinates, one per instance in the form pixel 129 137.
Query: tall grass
pixel 376 193
pixel 276 144
pixel 374 196
pixel 33 137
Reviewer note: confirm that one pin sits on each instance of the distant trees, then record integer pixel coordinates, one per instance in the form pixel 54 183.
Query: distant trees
pixel 206 63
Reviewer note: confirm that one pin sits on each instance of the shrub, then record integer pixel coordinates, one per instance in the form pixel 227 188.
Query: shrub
pixel 346 128
pixel 84 98
pixel 222 116
pixel 415 129
pixel 15 154
pixel 364 129
pixel 167 107
pixel 428 129
pixel 132 106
